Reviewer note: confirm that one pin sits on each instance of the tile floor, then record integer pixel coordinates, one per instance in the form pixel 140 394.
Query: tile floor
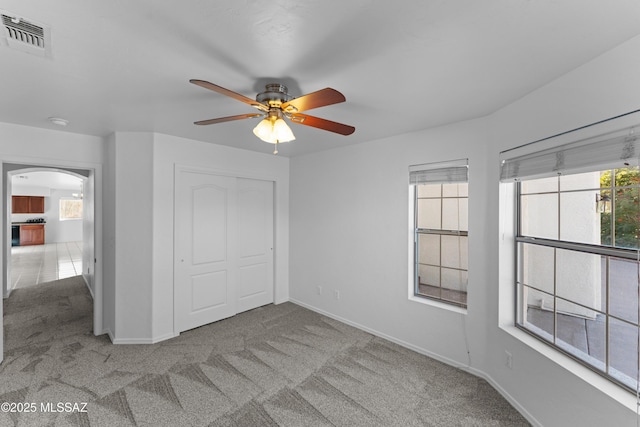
pixel 31 265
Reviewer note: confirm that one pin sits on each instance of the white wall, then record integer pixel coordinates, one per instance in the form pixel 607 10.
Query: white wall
pixel 109 259
pixel 349 231
pixel 60 231
pixel 21 190
pixel 139 258
pixel 129 238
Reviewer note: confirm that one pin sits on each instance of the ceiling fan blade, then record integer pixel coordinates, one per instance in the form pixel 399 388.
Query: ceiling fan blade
pixel 227 119
pixel 316 99
pixel 230 93
pixel 323 124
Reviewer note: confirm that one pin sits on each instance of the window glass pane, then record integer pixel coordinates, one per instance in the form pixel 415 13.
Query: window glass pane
pixel 625 177
pixel 450 214
pixel 464 252
pixel 579 217
pixel 428 275
pixel 623 289
pixel 70 209
pixel 627 217
pixel 580 181
pixel 582 338
pixel 623 352
pixel 454 252
pixel 429 249
pixel 604 207
pixel 537 269
pixel 542 185
pixel 430 291
pixel 450 190
pixel 579 279
pixel 429 211
pixel 539 320
pixel 463 214
pixel 454 279
pixel 429 190
pixel 463 189
pixel 539 215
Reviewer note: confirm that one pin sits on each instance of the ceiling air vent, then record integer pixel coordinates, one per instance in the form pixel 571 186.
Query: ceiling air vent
pixel 24 31
pixel 26 36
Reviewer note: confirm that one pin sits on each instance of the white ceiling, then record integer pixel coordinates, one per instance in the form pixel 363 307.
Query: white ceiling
pixel 124 65
pixel 45 179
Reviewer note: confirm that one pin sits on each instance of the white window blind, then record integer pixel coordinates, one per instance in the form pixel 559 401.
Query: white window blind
pixel 615 150
pixel 441 172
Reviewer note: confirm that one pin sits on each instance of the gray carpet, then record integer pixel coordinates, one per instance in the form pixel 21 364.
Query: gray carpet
pixel 274 366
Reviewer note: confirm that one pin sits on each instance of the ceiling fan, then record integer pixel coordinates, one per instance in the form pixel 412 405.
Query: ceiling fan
pixel 275 104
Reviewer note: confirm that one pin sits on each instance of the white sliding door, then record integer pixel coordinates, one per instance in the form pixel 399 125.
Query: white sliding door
pixel 255 243
pixel 224 247
pixel 205 269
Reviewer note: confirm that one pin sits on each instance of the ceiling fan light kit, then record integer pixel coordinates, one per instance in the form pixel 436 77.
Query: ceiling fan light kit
pixel 275 104
pixel 273 128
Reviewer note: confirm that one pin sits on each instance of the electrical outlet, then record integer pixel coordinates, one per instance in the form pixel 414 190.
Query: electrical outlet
pixel 508 360
pixel 336 294
pixel 319 290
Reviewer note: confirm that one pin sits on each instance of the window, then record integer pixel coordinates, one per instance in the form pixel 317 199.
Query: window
pixel 70 209
pixel 440 201
pixel 577 234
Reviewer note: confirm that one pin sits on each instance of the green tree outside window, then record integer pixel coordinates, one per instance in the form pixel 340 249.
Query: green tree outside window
pixel 624 196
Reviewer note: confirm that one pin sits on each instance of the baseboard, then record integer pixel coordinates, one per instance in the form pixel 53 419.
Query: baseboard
pixel 7 292
pixel 164 337
pixel 473 371
pixel 526 414
pixel 154 340
pixel 109 334
pixel 88 287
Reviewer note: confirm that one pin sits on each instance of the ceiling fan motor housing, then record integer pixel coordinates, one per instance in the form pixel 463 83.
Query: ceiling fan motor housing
pixel 275 95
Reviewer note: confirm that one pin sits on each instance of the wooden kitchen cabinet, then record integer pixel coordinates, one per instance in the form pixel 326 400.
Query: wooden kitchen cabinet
pixel 31 234
pixel 27 204
pixel 20 204
pixel 36 204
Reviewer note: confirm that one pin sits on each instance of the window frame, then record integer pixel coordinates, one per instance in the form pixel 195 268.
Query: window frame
pixel 434 173
pixel 602 250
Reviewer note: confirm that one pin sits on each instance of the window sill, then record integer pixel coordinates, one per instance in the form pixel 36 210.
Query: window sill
pixel 438 304
pixel 607 387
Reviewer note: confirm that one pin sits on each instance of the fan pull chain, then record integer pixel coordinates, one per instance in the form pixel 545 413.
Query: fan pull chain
pixel 275 151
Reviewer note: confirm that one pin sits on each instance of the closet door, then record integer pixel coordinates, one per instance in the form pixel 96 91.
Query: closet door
pixel 255 243
pixel 206 267
pixel 223 247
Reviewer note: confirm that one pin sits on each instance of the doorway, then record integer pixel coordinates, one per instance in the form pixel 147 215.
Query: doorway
pixel 46 227
pixel 89 256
